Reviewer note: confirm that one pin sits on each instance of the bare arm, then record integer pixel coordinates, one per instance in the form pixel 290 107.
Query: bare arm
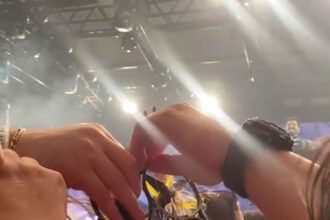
pixel 277 184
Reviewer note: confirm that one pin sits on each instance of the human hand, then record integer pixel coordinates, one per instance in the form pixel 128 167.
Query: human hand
pixel 30 191
pixel 202 142
pixel 89 159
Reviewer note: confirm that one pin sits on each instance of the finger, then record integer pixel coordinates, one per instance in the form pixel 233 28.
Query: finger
pixel 115 181
pixel 145 113
pixel 10 161
pixel 104 131
pixel 30 164
pixel 30 161
pixel 179 165
pixel 61 188
pixel 154 151
pixel 126 163
pixel 98 192
pixel 137 146
pixel 121 157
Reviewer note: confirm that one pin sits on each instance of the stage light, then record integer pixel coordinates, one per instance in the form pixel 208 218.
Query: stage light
pixel 160 78
pixel 19 37
pixel 123 16
pixel 129 107
pixel 128 43
pixel 124 30
pixel 46 20
pixel 127 68
pixel 252 79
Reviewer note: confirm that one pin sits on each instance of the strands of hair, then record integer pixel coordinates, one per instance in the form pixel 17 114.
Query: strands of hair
pixel 319 201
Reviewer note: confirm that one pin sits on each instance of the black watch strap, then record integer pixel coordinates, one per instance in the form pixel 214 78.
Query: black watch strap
pixel 255 136
pixel 233 170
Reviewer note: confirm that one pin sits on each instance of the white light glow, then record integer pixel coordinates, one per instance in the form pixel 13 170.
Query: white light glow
pixel 124 29
pixel 208 104
pixel 301 29
pixel 128 68
pixel 129 107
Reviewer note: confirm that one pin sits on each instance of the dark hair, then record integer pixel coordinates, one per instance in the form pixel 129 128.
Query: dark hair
pixel 254 215
pixel 320 180
pixel 292 118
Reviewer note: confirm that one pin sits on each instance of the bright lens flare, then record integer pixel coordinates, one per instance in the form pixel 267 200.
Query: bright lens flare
pixel 129 107
pixel 208 104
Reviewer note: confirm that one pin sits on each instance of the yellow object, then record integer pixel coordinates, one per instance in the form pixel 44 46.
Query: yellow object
pixel 188 205
pixel 169 181
pixel 153 192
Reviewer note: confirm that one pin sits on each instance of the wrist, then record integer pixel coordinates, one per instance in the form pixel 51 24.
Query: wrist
pixel 32 144
pixel 23 147
pixel 251 144
pixel 222 144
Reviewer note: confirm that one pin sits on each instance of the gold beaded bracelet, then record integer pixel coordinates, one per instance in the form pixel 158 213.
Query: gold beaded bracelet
pixel 15 138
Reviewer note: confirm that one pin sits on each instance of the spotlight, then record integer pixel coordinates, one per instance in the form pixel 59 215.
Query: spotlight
pixel 129 107
pixel 208 104
pixel 128 43
pixel 246 4
pixel 160 78
pixel 36 56
pixel 123 16
pixel 46 20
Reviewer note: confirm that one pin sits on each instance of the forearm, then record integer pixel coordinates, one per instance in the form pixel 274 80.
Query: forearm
pixel 32 215
pixel 277 184
pixel 28 143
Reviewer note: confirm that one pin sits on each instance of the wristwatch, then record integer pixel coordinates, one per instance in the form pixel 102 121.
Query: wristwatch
pixel 255 136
